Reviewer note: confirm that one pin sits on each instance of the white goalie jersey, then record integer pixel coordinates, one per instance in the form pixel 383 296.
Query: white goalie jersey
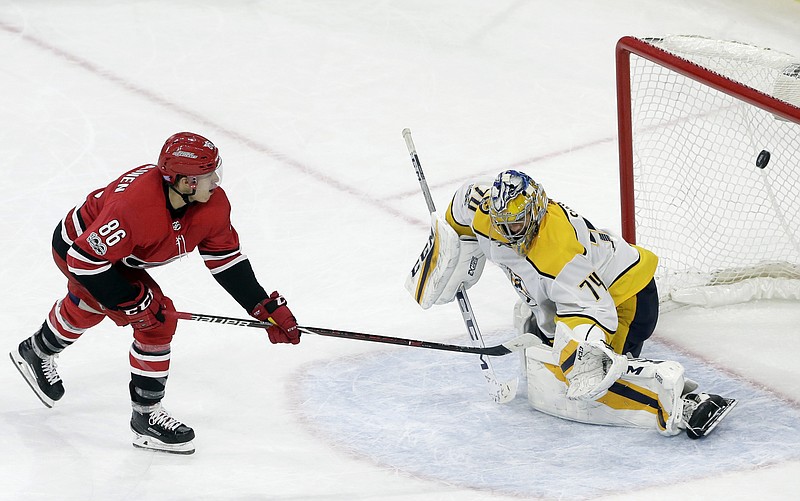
pixel 573 273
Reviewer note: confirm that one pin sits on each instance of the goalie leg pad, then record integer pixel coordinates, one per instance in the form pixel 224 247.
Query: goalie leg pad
pixel 666 381
pixel 648 395
pixel 547 393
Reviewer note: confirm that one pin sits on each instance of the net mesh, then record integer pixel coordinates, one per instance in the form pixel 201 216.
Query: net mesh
pixel 701 202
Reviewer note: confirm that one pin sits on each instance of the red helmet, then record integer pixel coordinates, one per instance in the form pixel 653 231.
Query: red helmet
pixel 187 154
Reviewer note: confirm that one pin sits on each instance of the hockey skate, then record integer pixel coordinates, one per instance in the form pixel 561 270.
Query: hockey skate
pixel 39 371
pixel 702 412
pixel 155 429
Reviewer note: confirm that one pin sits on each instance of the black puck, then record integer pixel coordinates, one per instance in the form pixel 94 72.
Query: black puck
pixel 762 159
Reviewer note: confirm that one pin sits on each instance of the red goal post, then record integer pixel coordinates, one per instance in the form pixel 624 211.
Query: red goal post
pixel 709 148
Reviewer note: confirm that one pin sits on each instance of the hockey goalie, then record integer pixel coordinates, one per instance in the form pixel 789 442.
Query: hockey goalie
pixel 586 293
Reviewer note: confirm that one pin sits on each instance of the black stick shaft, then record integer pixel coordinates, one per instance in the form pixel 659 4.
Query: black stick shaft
pixel 361 336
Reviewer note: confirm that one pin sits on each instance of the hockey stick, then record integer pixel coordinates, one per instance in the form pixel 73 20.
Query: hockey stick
pixel 518 343
pixel 500 392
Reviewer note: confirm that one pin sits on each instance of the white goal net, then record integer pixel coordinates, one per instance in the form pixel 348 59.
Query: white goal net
pixel 710 166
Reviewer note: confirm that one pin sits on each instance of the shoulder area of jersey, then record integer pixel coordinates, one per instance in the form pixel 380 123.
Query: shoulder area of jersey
pixel 137 178
pixel 557 238
pixel 475 193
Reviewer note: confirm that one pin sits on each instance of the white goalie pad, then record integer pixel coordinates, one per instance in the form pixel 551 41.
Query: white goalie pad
pixel 444 264
pixel 652 392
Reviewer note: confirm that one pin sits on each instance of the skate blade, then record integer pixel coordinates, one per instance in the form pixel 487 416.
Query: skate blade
pixel 154 444
pixel 22 367
pixel 719 417
pixel 731 403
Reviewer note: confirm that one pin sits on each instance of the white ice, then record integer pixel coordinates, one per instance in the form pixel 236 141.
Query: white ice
pixel 307 101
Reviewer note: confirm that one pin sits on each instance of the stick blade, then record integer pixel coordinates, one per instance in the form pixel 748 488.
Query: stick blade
pixel 503 393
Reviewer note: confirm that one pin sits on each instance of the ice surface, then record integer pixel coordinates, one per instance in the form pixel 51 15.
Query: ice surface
pixel 307 101
pixel 425 414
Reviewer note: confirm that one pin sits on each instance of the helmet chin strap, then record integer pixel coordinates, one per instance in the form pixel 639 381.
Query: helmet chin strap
pixel 184 196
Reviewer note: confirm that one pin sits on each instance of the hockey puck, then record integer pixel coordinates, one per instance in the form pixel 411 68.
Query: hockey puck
pixel 762 159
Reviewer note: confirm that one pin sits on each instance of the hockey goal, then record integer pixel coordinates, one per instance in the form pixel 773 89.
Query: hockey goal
pixel 709 141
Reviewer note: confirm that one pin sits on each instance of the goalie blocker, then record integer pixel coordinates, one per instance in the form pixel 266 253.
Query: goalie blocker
pixel 445 263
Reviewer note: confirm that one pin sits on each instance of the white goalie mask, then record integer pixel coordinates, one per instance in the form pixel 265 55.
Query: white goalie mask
pixel 518 205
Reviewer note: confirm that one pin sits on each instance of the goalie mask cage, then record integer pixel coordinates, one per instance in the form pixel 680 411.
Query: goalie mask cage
pixel 709 141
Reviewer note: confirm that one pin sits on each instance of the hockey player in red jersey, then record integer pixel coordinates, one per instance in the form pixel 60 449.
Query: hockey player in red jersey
pixel 148 217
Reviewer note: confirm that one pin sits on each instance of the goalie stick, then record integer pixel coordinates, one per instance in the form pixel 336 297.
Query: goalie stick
pixel 518 343
pixel 500 392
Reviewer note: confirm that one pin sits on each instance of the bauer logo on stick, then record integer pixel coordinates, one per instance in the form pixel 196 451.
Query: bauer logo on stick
pixel 219 320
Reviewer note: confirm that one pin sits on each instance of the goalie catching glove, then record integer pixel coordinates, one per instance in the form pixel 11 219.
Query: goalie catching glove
pixel 274 310
pixel 588 362
pixel 445 263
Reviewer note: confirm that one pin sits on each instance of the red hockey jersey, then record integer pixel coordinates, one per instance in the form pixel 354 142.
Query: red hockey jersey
pixel 130 223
